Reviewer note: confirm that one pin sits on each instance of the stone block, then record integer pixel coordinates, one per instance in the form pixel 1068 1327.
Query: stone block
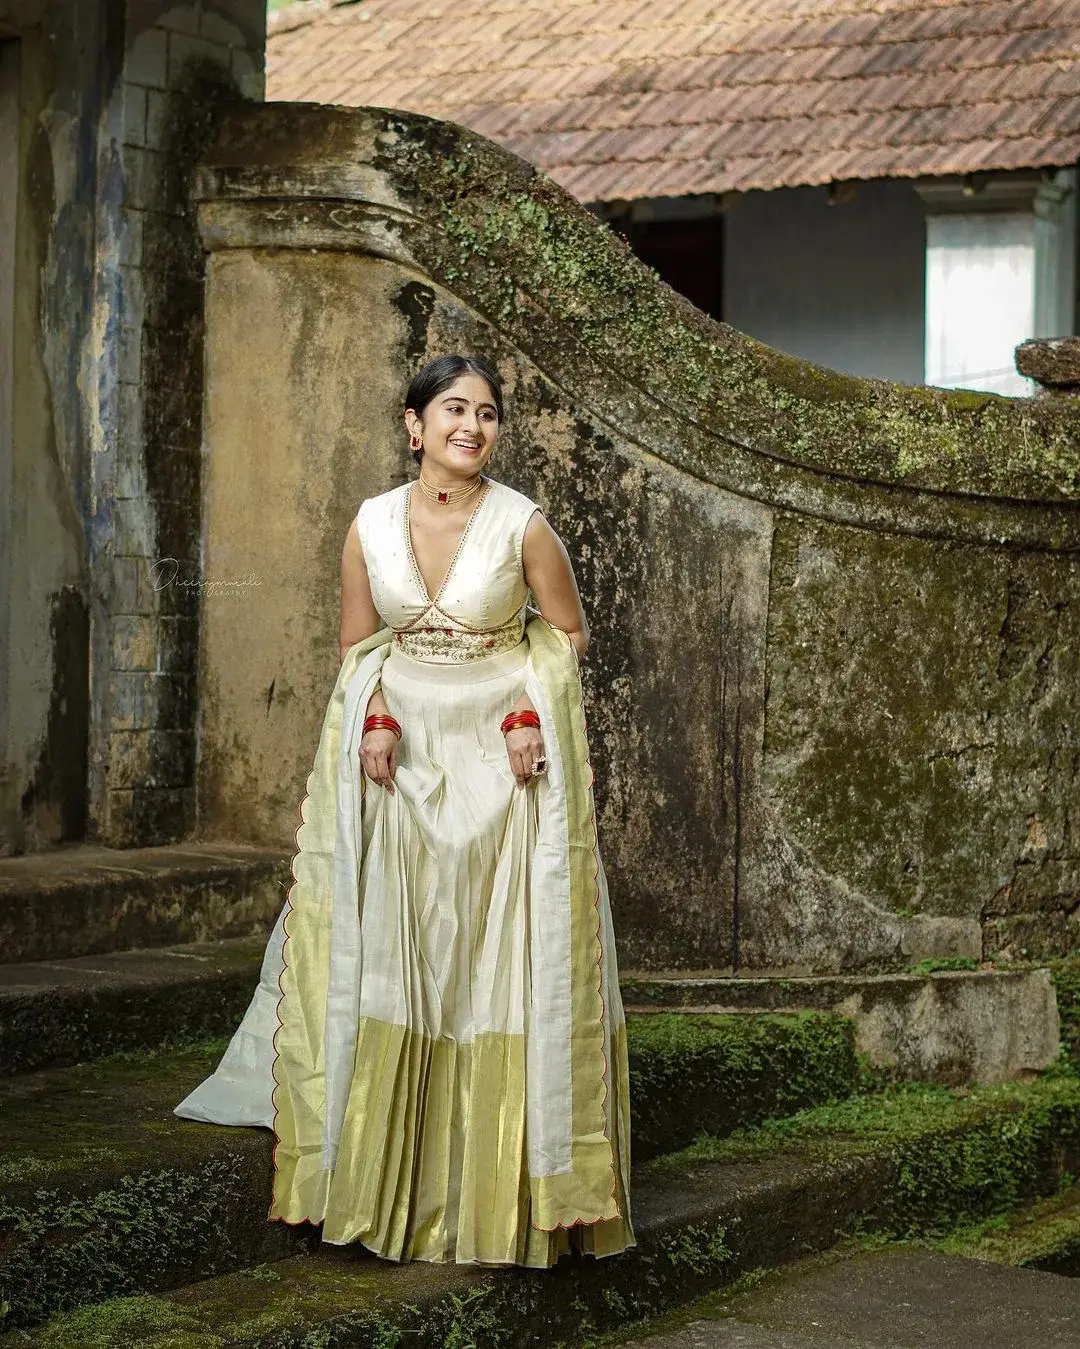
pixel 131 300
pixel 216 28
pixel 129 758
pixel 129 481
pixel 131 237
pixel 1053 362
pixel 165 815
pixel 123 581
pixel 181 19
pixel 159 114
pixel 249 75
pixel 175 700
pixel 132 700
pixel 134 114
pixel 134 522
pixel 129 360
pixel 179 644
pixel 185 51
pixel 952 1026
pixel 143 171
pixel 117 828
pixel 134 642
pixel 147 60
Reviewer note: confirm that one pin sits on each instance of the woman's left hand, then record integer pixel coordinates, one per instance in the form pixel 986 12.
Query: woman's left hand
pixel 524 746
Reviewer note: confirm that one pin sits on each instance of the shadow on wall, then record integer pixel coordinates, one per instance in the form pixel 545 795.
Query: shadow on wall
pixel 833 684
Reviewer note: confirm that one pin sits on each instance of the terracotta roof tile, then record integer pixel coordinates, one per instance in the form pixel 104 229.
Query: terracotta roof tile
pixel 620 99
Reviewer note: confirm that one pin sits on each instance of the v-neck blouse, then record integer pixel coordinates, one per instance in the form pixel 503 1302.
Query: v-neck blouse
pixel 480 609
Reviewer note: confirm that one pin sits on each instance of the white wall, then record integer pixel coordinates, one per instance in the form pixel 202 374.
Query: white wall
pixel 841 285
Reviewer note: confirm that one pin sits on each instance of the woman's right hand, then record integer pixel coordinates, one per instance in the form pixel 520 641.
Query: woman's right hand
pixel 378 757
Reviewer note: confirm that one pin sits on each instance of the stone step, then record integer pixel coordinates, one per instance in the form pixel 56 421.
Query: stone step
pixel 687 1073
pixel 100 1139
pixel 906 1161
pixel 86 900
pixel 59 1012
pixel 895 1298
pixel 949 1026
pixel 1044 1235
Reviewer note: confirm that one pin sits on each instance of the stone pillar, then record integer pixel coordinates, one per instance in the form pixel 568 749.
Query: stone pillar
pixel 181 65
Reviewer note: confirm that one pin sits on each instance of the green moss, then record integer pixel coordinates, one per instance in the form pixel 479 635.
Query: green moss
pixel 950 1153
pixel 1066 976
pixel 700 1247
pixel 935 964
pixel 105 1193
pixel 691 1073
pixel 1043 1235
pixel 148 1322
pixel 576 293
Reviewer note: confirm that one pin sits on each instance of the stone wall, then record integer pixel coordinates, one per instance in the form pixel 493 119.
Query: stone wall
pixel 831 692
pixel 98 694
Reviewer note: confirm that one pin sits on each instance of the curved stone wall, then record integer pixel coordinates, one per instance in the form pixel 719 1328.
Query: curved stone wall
pixel 833 683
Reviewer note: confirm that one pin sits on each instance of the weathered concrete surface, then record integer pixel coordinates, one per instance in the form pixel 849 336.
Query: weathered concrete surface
pixel 85 900
pixel 895 1299
pixel 778 562
pixel 952 1026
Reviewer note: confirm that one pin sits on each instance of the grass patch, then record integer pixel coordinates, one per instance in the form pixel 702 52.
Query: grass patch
pixel 691 1072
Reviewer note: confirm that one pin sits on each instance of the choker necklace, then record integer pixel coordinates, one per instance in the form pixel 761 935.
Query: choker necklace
pixel 449 496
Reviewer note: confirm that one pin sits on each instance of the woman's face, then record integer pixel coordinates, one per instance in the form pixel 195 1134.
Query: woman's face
pixel 459 426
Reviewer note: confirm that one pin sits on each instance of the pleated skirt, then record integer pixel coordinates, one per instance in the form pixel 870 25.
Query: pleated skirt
pixel 433 1158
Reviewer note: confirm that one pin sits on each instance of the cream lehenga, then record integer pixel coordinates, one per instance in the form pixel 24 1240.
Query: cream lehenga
pixel 438 1038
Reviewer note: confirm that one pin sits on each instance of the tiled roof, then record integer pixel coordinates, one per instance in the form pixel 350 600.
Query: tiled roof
pixel 621 99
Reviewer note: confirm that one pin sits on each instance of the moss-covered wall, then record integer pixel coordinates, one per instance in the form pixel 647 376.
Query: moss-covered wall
pixel 830 693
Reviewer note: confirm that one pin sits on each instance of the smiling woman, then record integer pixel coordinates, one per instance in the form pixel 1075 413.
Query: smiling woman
pixel 438 1039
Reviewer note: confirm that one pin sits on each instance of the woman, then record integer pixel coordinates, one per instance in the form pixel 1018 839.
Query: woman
pixel 438 1038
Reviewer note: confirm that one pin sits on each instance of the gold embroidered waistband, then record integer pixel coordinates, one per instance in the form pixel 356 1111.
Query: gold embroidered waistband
pixel 443 644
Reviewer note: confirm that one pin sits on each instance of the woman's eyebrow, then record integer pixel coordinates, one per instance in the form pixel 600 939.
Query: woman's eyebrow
pixel 454 398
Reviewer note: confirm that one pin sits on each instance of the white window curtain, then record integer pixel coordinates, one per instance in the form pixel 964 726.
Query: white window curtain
pixel 994 278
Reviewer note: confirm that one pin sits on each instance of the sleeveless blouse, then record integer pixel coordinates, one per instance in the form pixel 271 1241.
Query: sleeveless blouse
pixel 480 607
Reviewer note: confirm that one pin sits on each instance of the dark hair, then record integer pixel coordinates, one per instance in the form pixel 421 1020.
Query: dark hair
pixel 437 376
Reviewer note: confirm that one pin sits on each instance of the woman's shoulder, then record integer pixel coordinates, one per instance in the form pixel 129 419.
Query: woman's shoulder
pixel 382 501
pixel 514 502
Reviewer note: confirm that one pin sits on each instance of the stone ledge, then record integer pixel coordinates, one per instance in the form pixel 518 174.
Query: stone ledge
pixel 903 1163
pixel 952 1026
pixel 1044 1235
pixel 1053 362
pixel 86 900
pixel 54 1013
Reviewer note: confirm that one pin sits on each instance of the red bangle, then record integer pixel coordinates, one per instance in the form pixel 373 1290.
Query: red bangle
pixel 525 717
pixel 379 721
